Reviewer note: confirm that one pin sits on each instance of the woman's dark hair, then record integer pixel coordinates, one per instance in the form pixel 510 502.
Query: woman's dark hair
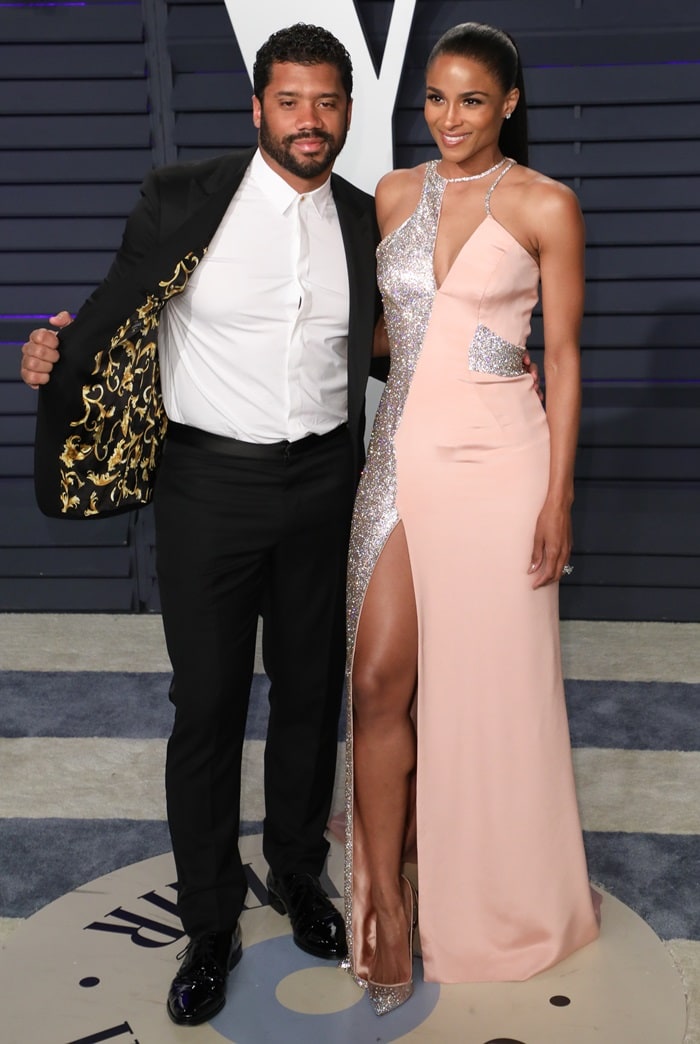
pixel 303 45
pixel 498 51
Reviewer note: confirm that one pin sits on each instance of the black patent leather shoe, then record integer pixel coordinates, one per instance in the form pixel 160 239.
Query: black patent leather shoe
pixel 198 991
pixel 317 926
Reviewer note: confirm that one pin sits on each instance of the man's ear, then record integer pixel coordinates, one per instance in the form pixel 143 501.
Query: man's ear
pixel 257 111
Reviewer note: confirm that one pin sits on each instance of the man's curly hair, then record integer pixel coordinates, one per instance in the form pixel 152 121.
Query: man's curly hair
pixel 303 45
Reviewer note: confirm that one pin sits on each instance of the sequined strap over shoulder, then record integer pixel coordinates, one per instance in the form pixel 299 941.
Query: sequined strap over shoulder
pixel 426 208
pixel 432 176
pixel 433 182
pixel 501 174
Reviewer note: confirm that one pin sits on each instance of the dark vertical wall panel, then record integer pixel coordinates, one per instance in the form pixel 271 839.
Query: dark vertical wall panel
pixel 75 142
pixel 614 112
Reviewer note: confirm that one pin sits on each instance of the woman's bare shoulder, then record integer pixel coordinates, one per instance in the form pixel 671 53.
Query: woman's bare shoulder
pixel 397 182
pixel 547 213
pixel 545 193
pixel 397 194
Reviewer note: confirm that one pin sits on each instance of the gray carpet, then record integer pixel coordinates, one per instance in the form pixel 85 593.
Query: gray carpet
pixel 628 715
pixel 656 874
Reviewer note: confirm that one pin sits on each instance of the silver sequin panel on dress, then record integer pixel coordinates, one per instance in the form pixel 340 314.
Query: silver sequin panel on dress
pixel 407 283
pixel 489 353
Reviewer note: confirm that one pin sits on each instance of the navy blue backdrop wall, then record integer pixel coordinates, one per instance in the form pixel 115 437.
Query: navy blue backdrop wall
pixel 92 94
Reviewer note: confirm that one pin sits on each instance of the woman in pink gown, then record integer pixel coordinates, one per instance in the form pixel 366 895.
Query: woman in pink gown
pixel 458 747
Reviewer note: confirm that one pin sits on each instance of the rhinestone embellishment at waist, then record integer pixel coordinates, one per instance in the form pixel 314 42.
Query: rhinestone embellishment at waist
pixel 489 353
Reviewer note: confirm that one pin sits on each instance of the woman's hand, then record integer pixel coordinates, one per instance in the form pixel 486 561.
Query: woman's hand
pixel 552 544
pixel 531 368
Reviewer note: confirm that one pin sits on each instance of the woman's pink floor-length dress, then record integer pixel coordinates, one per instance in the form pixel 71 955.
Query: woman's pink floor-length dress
pixel 459 455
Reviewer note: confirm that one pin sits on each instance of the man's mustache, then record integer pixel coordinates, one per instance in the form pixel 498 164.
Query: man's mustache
pixel 307 135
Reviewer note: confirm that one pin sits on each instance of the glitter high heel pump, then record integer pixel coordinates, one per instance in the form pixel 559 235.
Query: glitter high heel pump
pixel 385 998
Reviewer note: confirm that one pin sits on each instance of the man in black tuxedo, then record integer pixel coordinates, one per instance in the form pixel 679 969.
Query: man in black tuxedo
pixel 257 272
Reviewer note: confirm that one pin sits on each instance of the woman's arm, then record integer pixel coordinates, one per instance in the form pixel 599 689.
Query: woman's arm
pixel 561 254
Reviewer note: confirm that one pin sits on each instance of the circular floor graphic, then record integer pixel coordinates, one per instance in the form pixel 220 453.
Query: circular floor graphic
pixel 96 964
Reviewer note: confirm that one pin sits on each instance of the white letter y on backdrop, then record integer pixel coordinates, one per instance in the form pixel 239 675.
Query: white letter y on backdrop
pixel 368 152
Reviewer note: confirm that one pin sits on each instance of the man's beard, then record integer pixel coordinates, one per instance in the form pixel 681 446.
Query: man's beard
pixel 280 151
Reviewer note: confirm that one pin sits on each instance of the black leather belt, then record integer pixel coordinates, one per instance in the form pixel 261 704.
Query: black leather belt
pixel 210 443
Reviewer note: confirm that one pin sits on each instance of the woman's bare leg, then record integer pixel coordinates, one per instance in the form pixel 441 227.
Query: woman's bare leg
pixel 384 742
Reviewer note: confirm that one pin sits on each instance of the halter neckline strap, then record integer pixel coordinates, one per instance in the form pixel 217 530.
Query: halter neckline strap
pixel 474 177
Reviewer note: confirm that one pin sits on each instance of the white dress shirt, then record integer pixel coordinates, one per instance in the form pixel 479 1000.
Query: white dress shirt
pixel 256 346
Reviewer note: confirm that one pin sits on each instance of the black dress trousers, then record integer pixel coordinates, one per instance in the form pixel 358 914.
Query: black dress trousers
pixel 237 538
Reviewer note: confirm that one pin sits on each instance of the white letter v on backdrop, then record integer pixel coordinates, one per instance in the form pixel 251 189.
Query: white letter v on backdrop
pixel 369 150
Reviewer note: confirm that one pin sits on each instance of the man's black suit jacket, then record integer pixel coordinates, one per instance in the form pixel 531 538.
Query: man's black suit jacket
pixel 100 419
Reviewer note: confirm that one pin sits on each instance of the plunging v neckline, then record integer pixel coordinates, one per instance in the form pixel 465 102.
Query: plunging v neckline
pixel 465 244
pixel 433 172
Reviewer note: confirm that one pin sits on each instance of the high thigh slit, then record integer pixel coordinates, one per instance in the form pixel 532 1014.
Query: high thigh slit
pixel 459 455
pixel 384 744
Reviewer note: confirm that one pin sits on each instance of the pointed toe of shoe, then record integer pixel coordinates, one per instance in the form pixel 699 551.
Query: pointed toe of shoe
pixel 387 998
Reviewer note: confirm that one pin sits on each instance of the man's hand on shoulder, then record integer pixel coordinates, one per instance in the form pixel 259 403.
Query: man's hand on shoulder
pixel 40 353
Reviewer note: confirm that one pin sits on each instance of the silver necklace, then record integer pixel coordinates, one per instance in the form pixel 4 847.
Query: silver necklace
pixel 475 177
